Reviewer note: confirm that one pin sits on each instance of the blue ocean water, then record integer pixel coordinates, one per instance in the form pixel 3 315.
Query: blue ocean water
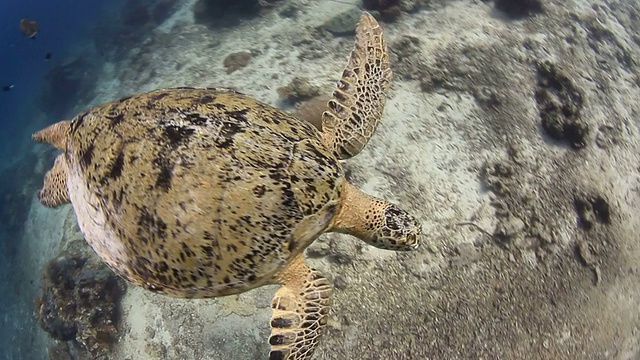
pixel 65 26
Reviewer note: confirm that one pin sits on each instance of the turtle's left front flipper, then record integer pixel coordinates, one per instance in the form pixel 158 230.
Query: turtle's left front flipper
pixel 356 107
pixel 300 311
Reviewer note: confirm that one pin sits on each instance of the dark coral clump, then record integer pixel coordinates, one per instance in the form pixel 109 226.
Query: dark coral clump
pixel 592 209
pixel 80 303
pixel 237 61
pixel 223 13
pixel 67 85
pixel 389 10
pixel 518 9
pixel 141 13
pixel 299 89
pixel 559 103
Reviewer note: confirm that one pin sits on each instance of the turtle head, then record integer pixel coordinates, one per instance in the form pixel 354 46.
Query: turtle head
pixel 397 230
pixel 376 221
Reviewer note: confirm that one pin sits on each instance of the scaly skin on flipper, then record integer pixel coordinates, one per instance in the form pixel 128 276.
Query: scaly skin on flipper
pixel 358 100
pixel 55 134
pixel 54 191
pixel 300 312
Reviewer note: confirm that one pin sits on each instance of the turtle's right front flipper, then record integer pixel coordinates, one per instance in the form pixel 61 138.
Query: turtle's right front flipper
pixel 300 312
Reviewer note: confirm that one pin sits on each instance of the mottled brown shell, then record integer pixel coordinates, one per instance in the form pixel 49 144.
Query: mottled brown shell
pixel 208 191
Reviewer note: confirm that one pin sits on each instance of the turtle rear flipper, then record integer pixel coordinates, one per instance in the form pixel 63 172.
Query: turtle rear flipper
pixel 55 134
pixel 300 312
pixel 54 191
pixel 358 100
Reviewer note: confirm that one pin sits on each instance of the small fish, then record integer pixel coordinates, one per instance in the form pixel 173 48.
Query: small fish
pixel 29 27
pixel 7 87
pixel 47 56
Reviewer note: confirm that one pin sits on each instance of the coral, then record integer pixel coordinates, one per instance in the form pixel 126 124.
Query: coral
pixel 592 209
pixel 67 85
pixel 343 23
pixel 141 13
pixel 222 13
pixel 519 8
pixel 299 89
pixel 236 61
pixel 312 109
pixel 559 103
pixel 389 10
pixel 79 303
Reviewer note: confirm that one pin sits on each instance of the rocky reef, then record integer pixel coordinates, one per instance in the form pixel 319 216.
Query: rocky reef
pixel 221 13
pixel 79 305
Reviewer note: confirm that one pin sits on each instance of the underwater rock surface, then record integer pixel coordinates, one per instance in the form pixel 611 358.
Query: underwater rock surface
pixel 80 304
pixel 511 133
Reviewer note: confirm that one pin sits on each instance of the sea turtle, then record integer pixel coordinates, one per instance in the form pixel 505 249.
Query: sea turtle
pixel 205 192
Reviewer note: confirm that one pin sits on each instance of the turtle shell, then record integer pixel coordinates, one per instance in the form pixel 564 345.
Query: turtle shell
pixel 199 192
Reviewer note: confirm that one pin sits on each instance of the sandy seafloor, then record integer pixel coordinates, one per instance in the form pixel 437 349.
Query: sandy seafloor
pixel 512 266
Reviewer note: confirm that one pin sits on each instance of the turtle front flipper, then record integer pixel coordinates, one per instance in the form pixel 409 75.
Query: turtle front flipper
pixel 375 221
pixel 358 100
pixel 300 311
pixel 54 191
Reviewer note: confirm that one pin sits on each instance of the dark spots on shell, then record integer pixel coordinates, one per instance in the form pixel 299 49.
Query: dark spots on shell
pixel 162 267
pixel 187 250
pixel 232 248
pixel 125 98
pixel 208 250
pixel 115 119
pixel 77 122
pixel 157 97
pixel 142 267
pixel 225 143
pixel 149 224
pixel 226 280
pixel 166 174
pixel 116 198
pixel 238 114
pixel 161 228
pixel 196 119
pixel 259 190
pixel 87 156
pixel 118 165
pixel 207 99
pixel 176 134
pixel 229 129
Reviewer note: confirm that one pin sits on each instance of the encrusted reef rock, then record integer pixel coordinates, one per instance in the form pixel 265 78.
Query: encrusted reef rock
pixel 222 13
pixel 299 89
pixel 80 304
pixel 520 8
pixel 70 83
